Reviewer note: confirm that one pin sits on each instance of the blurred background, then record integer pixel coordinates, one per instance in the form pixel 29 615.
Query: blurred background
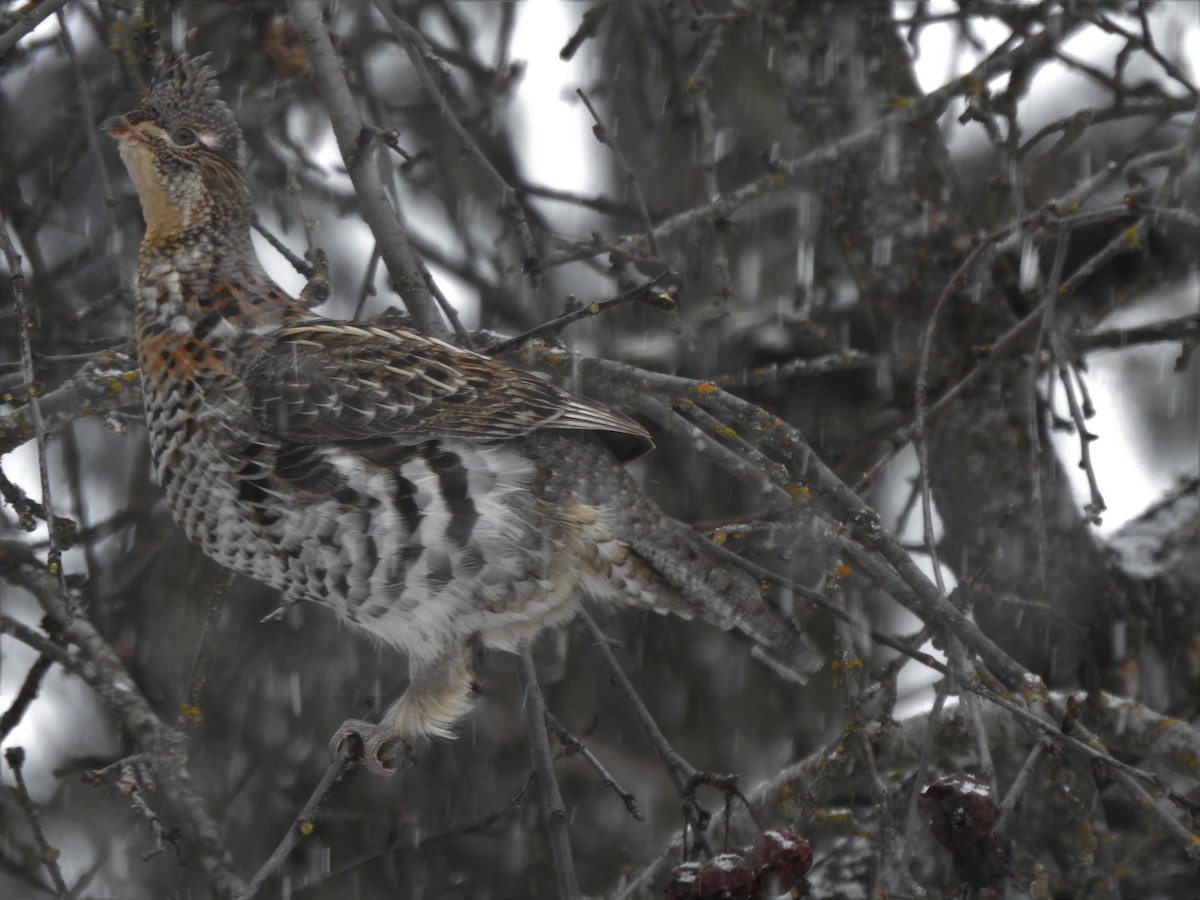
pixel 815 175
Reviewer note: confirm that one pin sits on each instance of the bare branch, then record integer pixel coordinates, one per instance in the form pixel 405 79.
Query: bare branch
pixel 409 276
pixel 553 812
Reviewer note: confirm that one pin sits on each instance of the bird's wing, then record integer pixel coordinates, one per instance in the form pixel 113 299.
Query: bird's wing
pixel 327 380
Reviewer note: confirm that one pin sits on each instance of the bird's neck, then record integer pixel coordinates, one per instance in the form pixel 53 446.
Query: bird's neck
pixel 193 281
pixel 202 250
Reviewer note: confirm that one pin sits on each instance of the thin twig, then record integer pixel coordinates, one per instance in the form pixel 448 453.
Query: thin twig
pixel 410 278
pixel 698 87
pixel 87 115
pixel 403 843
pixel 1033 424
pixel 133 777
pixel 1129 240
pixel 1096 506
pixel 190 709
pixel 419 53
pixel 604 136
pixel 305 820
pixel 642 292
pixel 553 811
pixel 1020 784
pixel 1145 43
pixel 847 360
pixel 15 757
pixel 25 696
pixel 680 771
pixel 25 324
pixel 921 773
pixel 28 19
pixel 1185 329
pixel 367 289
pixel 589 26
pixel 600 204
pixel 571 742
pixel 296 262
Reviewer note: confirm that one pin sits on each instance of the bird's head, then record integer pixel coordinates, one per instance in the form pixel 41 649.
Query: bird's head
pixel 184 151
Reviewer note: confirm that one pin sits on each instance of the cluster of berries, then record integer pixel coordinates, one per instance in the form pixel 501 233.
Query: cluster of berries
pixel 780 859
pixel 960 812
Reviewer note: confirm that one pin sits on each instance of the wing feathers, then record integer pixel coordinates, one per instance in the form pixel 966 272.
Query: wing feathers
pixel 327 380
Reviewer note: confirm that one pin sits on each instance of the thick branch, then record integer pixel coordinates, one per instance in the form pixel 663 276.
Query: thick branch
pixel 358 149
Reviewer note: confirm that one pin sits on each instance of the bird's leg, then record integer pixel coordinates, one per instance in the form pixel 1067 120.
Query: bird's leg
pixel 438 695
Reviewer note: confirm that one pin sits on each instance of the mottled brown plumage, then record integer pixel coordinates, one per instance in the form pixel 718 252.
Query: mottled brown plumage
pixel 403 482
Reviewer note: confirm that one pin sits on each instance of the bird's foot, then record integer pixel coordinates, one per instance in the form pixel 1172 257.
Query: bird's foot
pixel 377 748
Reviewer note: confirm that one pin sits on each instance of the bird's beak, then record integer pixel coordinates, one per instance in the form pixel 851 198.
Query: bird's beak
pixel 119 128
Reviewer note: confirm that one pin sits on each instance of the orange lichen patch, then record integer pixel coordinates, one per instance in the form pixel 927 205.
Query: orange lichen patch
pixel 799 492
pixel 972 84
pixel 844 571
pixel 832 815
pixel 788 799
pixel 190 712
pixel 705 388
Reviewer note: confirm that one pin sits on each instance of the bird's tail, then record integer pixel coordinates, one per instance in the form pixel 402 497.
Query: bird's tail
pixel 645 557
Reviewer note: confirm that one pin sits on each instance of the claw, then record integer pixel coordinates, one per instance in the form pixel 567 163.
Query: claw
pixel 374 747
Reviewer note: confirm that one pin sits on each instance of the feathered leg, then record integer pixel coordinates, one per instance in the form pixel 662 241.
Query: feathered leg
pixel 438 695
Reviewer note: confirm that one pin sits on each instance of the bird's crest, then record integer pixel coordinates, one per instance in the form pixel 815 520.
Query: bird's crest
pixel 185 92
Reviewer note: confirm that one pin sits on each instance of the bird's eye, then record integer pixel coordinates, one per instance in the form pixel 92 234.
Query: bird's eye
pixel 183 137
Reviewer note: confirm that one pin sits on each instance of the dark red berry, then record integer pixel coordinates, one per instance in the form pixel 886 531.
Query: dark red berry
pixel 685 883
pixel 727 877
pixel 958 810
pixel 781 858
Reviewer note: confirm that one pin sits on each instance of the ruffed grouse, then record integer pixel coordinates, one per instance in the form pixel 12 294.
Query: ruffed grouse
pixel 409 485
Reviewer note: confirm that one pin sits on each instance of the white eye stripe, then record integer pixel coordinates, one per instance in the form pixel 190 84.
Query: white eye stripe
pixel 188 136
